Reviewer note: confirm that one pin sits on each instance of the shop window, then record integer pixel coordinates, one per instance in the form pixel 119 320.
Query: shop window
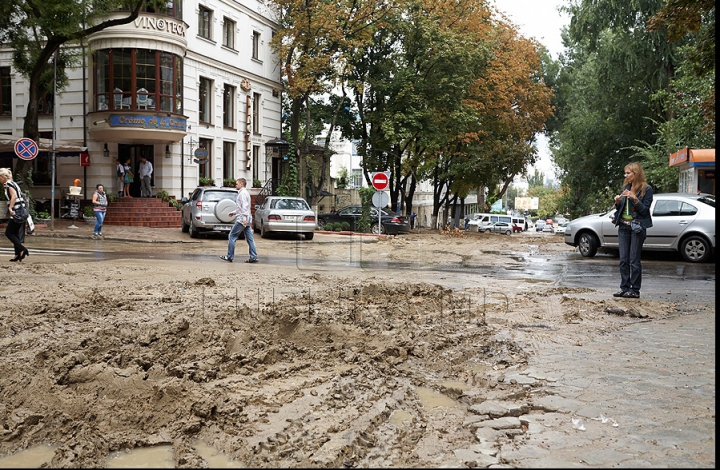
pixel 229 33
pixel 205 23
pixel 204 169
pixel 5 92
pixel 228 160
pixel 229 106
pixel 205 101
pixel 256 45
pixel 138 79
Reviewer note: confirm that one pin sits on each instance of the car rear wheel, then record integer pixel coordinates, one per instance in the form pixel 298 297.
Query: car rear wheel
pixel 695 249
pixel 185 227
pixel 375 228
pixel 309 235
pixel 507 232
pixel 193 231
pixel 263 232
pixel 321 224
pixel 588 245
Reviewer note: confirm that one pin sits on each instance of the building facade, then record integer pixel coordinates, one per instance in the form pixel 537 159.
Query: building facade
pixel 194 89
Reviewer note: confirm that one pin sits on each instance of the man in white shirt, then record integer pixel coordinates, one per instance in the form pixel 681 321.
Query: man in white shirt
pixel 146 170
pixel 243 224
pixel 120 173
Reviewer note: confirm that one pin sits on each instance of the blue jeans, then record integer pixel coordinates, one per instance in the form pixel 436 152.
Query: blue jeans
pixel 100 216
pixel 630 245
pixel 237 229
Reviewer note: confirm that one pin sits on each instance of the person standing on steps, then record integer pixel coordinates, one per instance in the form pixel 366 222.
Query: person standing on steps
pixel 120 173
pixel 243 224
pixel 632 218
pixel 15 231
pixel 145 172
pixel 129 177
pixel 99 201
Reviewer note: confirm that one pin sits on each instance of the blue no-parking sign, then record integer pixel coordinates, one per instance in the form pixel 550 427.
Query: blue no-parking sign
pixel 26 148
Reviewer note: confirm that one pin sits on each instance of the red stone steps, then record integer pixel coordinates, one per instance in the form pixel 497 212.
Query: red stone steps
pixel 143 212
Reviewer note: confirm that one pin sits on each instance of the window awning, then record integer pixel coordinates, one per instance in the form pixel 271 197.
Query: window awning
pixel 63 148
pixel 688 155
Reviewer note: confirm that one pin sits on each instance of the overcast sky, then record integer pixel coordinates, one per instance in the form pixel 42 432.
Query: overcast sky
pixel 538 19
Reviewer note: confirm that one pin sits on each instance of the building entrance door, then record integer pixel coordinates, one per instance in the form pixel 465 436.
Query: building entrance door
pixel 134 152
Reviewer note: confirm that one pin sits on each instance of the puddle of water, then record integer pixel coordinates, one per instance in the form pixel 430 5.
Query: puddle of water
pixel 400 418
pixel 455 385
pixel 32 457
pixel 430 399
pixel 142 457
pixel 215 458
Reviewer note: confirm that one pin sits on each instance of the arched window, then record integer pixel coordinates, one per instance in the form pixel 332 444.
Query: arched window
pixel 138 79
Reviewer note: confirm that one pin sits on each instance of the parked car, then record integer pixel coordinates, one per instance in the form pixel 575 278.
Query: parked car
pixel 539 225
pixel 548 227
pixel 392 223
pixel 498 227
pixel 561 229
pixel 207 210
pixel 681 222
pixel 284 214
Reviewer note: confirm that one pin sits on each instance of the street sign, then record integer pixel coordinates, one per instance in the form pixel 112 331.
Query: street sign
pixel 380 181
pixel 26 148
pixel 380 199
pixel 201 155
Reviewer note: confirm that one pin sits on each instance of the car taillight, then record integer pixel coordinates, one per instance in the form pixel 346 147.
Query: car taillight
pixel 199 205
pixel 273 217
pixel 396 220
pixel 309 218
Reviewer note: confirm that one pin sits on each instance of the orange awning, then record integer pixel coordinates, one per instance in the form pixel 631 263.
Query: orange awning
pixel 687 155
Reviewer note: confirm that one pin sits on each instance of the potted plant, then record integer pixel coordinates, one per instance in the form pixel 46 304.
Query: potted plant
pixel 256 183
pixel 89 215
pixel 229 183
pixel 207 181
pixel 43 217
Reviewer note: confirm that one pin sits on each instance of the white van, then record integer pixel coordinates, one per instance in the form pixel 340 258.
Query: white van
pixel 518 224
pixel 487 219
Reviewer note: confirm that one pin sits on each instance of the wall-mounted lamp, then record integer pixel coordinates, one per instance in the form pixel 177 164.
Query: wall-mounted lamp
pixel 106 151
pixel 167 151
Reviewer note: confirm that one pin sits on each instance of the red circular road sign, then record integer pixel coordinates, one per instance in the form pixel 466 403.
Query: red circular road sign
pixel 26 148
pixel 380 181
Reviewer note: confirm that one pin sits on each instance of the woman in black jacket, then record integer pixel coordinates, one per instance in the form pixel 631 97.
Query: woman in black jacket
pixel 632 218
pixel 15 231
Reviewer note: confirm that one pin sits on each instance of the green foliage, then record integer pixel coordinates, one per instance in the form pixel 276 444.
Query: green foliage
pixel 256 183
pixel 112 197
pixel 207 181
pixel 88 211
pixel 162 194
pixel 343 177
pixel 289 184
pixel 363 223
pixel 42 215
pixel 230 183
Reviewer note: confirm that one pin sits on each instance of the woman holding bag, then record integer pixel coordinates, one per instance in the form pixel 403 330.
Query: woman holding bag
pixel 632 218
pixel 16 202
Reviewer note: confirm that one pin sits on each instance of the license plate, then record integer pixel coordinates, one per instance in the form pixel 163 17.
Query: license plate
pixel 222 227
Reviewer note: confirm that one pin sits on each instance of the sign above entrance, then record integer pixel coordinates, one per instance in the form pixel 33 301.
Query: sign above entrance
pixel 147 122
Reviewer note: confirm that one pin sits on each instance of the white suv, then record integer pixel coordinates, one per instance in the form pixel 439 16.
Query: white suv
pixel 207 210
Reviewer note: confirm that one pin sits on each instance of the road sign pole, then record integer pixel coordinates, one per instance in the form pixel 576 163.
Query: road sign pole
pixel 379 218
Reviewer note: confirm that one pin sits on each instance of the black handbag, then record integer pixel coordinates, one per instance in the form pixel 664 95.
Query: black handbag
pixel 21 214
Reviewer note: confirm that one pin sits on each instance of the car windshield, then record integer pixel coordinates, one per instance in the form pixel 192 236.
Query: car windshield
pixel 215 196
pixel 290 204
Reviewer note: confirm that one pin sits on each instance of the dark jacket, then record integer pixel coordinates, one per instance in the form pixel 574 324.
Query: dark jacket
pixel 640 209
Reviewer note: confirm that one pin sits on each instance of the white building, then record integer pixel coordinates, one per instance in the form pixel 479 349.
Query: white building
pixel 195 90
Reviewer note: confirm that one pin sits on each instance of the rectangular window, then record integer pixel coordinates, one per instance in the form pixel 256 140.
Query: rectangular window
pixel 256 162
pixel 256 113
pixel 205 101
pixel 205 23
pixel 204 169
pixel 228 33
pixel 145 80
pixel 45 102
pixel 229 106
pixel 228 160
pixel 357 179
pixel 256 45
pixel 5 92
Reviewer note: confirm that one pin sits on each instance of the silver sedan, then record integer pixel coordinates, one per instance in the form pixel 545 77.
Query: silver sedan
pixel 681 222
pixel 284 214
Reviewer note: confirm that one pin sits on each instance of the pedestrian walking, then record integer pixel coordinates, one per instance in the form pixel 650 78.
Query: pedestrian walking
pixel 120 174
pixel 129 177
pixel 99 201
pixel 632 218
pixel 17 205
pixel 413 216
pixel 243 224
pixel 145 173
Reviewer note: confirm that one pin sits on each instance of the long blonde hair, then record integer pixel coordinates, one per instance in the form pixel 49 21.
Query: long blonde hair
pixel 7 173
pixel 639 184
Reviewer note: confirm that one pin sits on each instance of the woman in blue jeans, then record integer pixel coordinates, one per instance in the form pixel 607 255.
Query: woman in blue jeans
pixel 632 218
pixel 99 201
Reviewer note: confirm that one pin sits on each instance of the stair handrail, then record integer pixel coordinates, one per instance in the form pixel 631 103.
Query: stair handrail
pixel 267 190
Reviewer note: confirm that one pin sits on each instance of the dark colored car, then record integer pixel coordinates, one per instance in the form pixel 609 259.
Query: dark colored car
pixel 207 210
pixel 392 224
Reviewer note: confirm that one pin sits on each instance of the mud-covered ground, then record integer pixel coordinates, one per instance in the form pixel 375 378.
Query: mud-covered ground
pixel 279 367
